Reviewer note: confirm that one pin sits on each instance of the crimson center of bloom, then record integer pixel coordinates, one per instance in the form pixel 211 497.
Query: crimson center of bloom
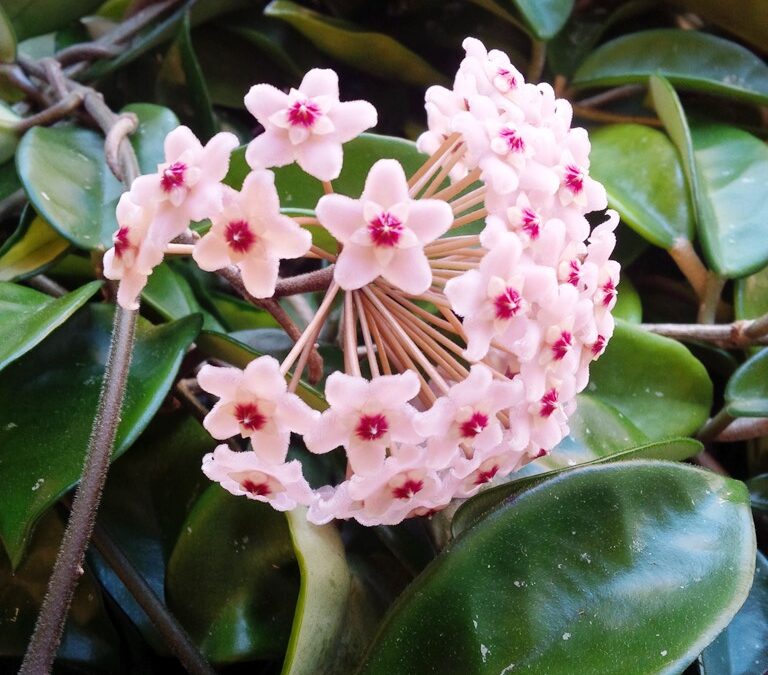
pixel 508 77
pixel 304 113
pixel 531 223
pixel 173 176
pixel 385 230
pixel 609 292
pixel 474 425
pixel 486 476
pixel 407 489
pixel 562 345
pixel 372 427
pixel 598 345
pixel 121 242
pixel 507 304
pixel 239 236
pixel 574 178
pixel 513 139
pixel 260 489
pixel 548 403
pixel 249 416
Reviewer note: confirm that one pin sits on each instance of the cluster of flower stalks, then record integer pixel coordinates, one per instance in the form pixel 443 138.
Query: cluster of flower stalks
pixel 473 294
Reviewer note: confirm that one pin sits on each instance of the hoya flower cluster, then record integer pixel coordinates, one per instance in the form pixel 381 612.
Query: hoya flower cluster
pixel 471 296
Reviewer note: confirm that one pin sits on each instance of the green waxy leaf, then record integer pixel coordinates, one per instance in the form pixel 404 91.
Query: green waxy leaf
pixel 758 491
pixel 374 53
pixel 48 400
pixel 45 16
pixel 323 596
pixel 631 567
pixel 732 167
pixel 544 18
pixel 299 190
pixel 31 248
pixel 750 295
pixel 7 38
pixel 671 393
pixel 628 304
pixel 238 354
pixel 474 509
pixel 27 316
pixel 748 22
pixel 90 642
pixel 66 177
pixel 742 648
pixel 746 394
pixel 689 59
pixel 232 578
pixel 644 179
pixel 9 138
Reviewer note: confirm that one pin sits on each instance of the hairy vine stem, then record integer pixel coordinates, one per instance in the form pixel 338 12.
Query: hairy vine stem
pixel 42 648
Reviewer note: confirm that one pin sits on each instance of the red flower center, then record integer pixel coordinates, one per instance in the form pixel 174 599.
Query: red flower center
pixel 486 476
pixel 513 139
pixel 609 292
pixel 121 242
pixel 574 272
pixel 531 223
pixel 574 178
pixel 239 236
pixel 407 489
pixel 507 76
pixel 385 230
pixel 173 176
pixel 548 403
pixel 260 489
pixel 562 346
pixel 249 416
pixel 304 113
pixel 507 304
pixel 474 425
pixel 599 345
pixel 372 427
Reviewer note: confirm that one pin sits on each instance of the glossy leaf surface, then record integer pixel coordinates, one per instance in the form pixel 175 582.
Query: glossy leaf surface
pixel 48 400
pixel 688 59
pixel 31 248
pixel 644 179
pixel 627 567
pixel 544 18
pixel 747 392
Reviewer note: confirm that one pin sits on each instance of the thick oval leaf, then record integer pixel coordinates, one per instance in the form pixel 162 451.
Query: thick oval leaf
pixel 9 181
pixel 544 18
pixel 239 315
pixel 299 190
pixel 471 511
pixel 44 16
pixel 689 59
pixel 758 491
pixel 232 578
pixel 643 176
pixel 323 597
pixel 232 351
pixel 66 177
pixel 742 648
pixel 750 295
pixel 628 305
pixel 374 53
pixel 48 400
pixel 90 641
pixel 746 394
pixel 670 393
pixel 748 22
pixel 9 138
pixel 631 567
pixel 732 167
pixel 31 248
pixel 28 316
pixel 149 493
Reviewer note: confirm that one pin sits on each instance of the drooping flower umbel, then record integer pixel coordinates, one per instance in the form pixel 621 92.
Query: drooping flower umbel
pixel 474 292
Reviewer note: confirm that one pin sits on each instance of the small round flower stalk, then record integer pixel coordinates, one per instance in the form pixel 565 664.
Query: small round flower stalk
pixel 470 298
pixel 250 232
pixel 308 125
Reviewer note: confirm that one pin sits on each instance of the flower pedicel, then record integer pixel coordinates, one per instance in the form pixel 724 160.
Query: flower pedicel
pixel 473 294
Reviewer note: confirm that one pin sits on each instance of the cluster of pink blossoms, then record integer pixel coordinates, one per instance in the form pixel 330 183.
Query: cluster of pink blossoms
pixel 472 296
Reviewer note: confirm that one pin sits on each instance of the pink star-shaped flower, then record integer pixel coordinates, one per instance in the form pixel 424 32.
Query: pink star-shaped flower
pixel 384 232
pixel 366 418
pixel 255 403
pixel 251 233
pixel 244 473
pixel 467 415
pixel 307 125
pixel 133 256
pixel 187 186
